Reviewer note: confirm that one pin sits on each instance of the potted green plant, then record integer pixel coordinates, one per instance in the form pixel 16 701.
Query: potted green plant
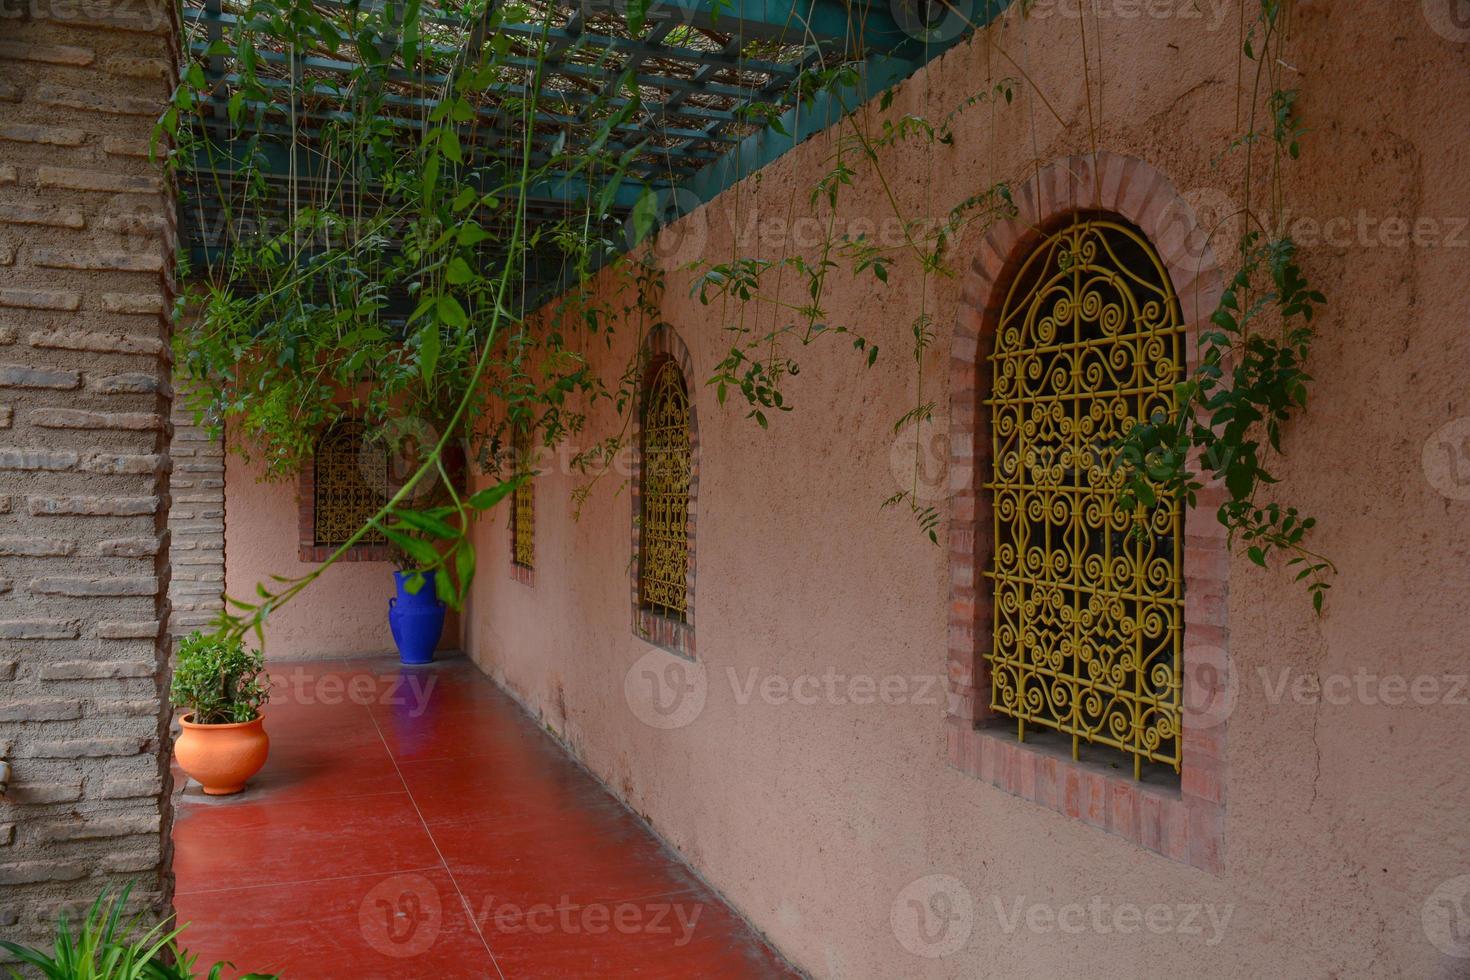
pixel 219 684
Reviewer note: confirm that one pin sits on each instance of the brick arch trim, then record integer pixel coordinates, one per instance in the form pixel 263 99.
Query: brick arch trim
pixel 663 343
pixel 1184 823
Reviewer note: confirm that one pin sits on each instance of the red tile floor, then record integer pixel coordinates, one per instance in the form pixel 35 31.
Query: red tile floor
pixel 415 822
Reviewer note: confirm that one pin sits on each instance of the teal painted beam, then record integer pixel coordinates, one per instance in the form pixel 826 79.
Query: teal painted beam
pixel 878 72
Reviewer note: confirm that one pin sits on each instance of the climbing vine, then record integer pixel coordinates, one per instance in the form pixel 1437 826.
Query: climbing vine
pixel 385 279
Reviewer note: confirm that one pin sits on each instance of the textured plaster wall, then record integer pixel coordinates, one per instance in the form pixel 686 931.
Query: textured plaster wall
pixel 1342 819
pixel 86 248
pixel 343 613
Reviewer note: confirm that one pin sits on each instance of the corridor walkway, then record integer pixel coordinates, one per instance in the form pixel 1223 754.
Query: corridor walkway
pixel 414 822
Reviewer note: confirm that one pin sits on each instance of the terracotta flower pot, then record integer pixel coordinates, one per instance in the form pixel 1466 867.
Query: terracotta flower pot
pixel 222 757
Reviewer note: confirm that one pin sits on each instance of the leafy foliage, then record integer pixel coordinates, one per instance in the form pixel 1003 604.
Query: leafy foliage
pixel 108 947
pixel 1251 379
pixel 218 680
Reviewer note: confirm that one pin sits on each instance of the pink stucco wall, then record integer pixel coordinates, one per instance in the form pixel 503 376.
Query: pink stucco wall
pixel 344 613
pixel 1346 818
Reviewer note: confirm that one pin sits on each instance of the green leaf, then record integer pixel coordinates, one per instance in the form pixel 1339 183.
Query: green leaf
pixel 449 146
pixel 490 496
pixel 459 272
pixel 451 312
pixel 428 351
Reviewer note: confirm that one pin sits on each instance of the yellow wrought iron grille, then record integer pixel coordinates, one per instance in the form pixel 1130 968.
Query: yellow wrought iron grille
pixel 351 484
pixel 1088 617
pixel 664 519
pixel 523 517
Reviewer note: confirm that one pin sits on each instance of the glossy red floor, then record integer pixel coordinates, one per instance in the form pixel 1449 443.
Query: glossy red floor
pixel 414 822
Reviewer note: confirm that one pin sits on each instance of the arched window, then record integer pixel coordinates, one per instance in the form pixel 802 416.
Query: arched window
pixel 1088 621
pixel 523 506
pixel 350 484
pixel 665 475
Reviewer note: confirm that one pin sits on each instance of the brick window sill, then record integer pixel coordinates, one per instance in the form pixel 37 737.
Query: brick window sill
pixel 1164 819
pixel 674 635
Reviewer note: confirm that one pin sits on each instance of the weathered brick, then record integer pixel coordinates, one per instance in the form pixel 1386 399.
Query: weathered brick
pixel 117 146
pixel 34 547
pixel 76 418
pixel 51 54
pixel 132 302
pixel 119 630
pixel 129 547
pixel 29 872
pixel 130 384
pixel 7 416
pixel 20 376
pixel 121 708
pixel 99 585
pixel 41 299
pixel 45 135
pixel 97 261
pixel 123 463
pixel 7 174
pixel 7 834
pixel 8 335
pixel 86 506
pixel 9 92
pixel 39 629
pixel 40 709
pixel 90 670
pixel 49 215
pixel 84 748
pixel 7 257
pixel 101 181
pixel 142 860
pixel 147 68
pixel 124 789
pixel 97 827
pixel 102 343
pixel 97 101
pixel 37 459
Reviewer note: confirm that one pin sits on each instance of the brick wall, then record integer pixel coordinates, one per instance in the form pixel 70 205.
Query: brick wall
pixel 196 524
pixel 86 239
